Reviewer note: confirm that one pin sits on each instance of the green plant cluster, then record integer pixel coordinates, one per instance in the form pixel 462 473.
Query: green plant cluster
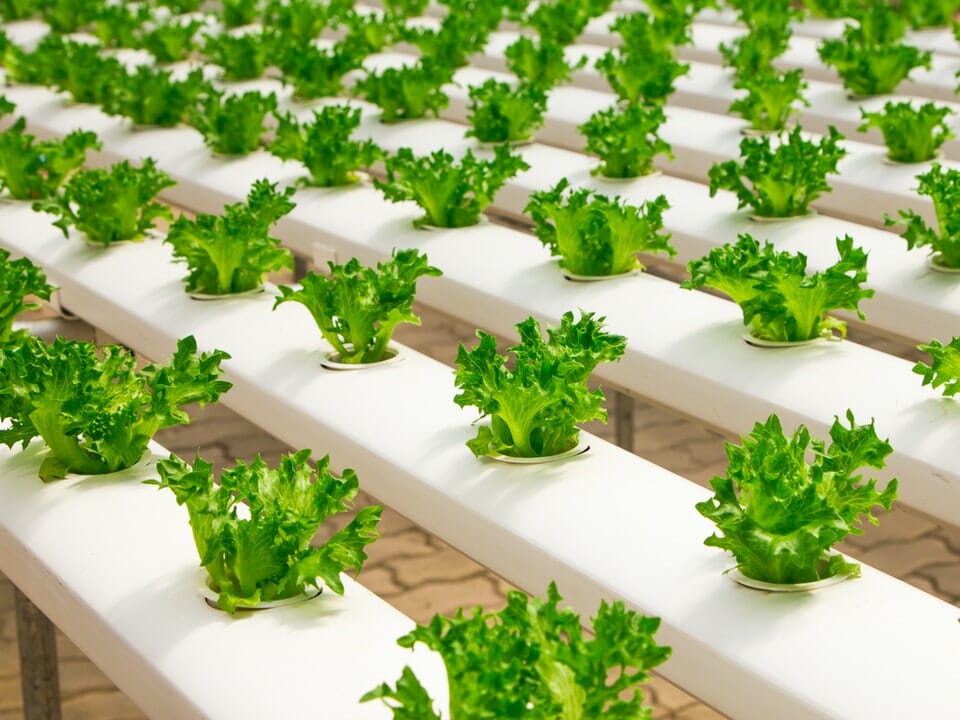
pixel 942 186
pixel 912 134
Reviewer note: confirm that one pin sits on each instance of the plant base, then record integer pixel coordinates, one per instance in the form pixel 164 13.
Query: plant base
pixel 226 296
pixel 210 596
pixel 750 339
pixel 331 361
pixel 934 265
pixel 574 277
pixel 741 579
pixel 579 449
pixel 789 218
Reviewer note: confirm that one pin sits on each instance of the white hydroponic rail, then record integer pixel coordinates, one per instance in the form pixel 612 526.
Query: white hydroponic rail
pixel 573 522
pixel 496 276
pixel 112 563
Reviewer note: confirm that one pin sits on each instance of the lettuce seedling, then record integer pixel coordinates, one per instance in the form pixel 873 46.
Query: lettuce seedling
pixel 232 124
pixel 314 72
pixel 324 146
pixel 626 140
pixel 372 32
pixel 69 16
pixel 765 13
pixel 458 37
pixel 452 193
pixel 253 527
pixel 116 25
pixel 87 75
pixel 111 205
pixel 152 97
pixel 242 56
pixel 911 134
pixel 170 41
pixel 922 14
pixel 534 407
pixel 91 406
pixel 31 169
pixel 779 300
pixel 405 93
pixel 357 308
pixel 407 8
pixel 942 185
pixel 539 63
pixel 756 51
pixel 531 660
pixel 236 13
pixel 18 279
pixel 944 368
pixel 45 65
pixel 500 112
pixel 783 181
pixel 780 513
pixel 18 9
pixel 300 21
pixel 232 252
pixel 561 22
pixel 595 235
pixel 646 78
pixel 641 32
pixel 871 59
pixel 771 99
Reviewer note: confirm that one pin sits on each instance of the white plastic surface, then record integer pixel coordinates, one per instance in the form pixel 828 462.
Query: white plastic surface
pixel 573 522
pixel 112 563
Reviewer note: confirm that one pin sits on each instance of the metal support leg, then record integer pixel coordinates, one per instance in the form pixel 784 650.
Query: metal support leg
pixel 299 267
pixel 623 412
pixel 39 674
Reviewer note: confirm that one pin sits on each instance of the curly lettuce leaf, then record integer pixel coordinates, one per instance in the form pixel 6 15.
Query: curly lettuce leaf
pixel 944 368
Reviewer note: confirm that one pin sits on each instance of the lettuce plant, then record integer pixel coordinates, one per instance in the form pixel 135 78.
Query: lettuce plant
pixel 31 169
pixel 152 97
pixel 540 63
pixel 922 14
pixel 871 59
pixel 18 9
pixel 765 13
pixel 170 41
pixel 756 51
pixel 531 660
pixel 779 513
pixel 911 134
pixel 357 308
pixel 243 56
pixel 942 185
pixel 780 301
pixel 111 205
pixel 116 25
pixel 69 16
pixel 784 180
pixel 44 65
pixel 372 32
pixel 561 22
pixel 645 78
pixel 944 368
pixel 324 146
pixel 253 527
pixel 453 194
pixel 642 32
pixel 314 72
pixel 626 140
pixel 595 235
pixel 92 407
pixel 771 99
pixel 408 92
pixel 534 407
pixel 18 279
pixel 500 112
pixel 458 37
pixel 301 21
pixel 232 252
pixel 407 8
pixel 829 8
pixel 235 13
pixel 87 75
pixel 232 124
